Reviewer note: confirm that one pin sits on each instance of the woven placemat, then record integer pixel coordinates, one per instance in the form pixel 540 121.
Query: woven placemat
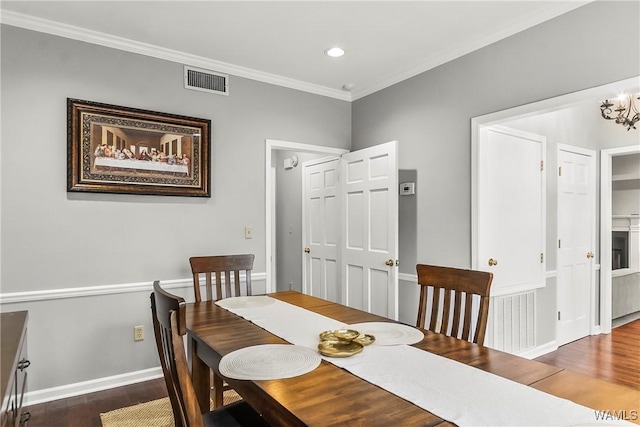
pixel 156 413
pixel 269 362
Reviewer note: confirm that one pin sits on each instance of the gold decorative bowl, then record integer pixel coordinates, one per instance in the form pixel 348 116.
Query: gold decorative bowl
pixel 339 348
pixel 365 339
pixel 345 335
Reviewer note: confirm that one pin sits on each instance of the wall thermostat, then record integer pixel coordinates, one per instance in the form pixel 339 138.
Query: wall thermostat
pixel 407 188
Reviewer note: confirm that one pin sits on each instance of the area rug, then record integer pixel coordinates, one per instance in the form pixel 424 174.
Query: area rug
pixel 156 413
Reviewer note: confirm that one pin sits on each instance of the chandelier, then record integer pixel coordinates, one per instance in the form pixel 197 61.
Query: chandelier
pixel 627 110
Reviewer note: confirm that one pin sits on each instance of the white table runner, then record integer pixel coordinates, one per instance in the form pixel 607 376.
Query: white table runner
pixel 462 394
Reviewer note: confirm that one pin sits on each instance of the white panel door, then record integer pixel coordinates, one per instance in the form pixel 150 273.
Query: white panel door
pixel 576 242
pixel 321 228
pixel 369 182
pixel 511 209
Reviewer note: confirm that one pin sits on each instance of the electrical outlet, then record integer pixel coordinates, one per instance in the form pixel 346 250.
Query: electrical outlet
pixel 138 333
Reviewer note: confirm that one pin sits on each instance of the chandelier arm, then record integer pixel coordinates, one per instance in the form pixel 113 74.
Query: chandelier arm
pixel 626 115
pixel 605 110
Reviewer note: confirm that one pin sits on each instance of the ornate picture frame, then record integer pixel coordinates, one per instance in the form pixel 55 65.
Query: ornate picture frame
pixel 113 149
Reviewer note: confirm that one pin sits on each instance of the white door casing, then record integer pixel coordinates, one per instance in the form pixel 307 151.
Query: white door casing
pixel 369 179
pixel 576 242
pixel 511 209
pixel 321 228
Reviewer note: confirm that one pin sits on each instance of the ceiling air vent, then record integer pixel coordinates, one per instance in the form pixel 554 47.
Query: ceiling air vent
pixel 206 81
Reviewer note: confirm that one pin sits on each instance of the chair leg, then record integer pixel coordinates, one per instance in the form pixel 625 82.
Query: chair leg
pixel 218 390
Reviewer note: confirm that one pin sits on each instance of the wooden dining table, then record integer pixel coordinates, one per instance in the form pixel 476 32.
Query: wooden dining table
pixel 330 395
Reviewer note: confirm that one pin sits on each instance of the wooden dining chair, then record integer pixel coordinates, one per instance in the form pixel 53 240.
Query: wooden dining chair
pixel 169 326
pixel 219 267
pixel 223 272
pixel 453 289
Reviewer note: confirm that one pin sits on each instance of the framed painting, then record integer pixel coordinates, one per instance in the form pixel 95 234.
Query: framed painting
pixel 112 149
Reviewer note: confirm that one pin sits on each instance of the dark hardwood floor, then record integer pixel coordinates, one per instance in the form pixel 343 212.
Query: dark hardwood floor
pixel 85 410
pixel 614 357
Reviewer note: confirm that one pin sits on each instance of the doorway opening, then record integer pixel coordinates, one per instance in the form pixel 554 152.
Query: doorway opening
pixel 608 259
pixel 273 147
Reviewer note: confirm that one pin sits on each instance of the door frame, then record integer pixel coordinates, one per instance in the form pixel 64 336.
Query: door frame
pixel 605 231
pixel 592 182
pixel 272 145
pixel 540 107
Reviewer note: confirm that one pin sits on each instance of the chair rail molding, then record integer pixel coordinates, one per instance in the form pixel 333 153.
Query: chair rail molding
pixel 79 292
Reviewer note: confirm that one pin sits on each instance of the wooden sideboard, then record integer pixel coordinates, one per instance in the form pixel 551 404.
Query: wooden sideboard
pixel 13 367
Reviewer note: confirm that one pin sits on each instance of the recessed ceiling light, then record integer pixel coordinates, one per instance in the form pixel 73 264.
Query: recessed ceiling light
pixel 334 52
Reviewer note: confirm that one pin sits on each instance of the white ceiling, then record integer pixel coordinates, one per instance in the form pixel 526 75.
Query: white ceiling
pixel 284 42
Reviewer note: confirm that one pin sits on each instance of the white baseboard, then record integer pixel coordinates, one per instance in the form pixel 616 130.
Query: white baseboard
pixel 538 351
pixel 99 384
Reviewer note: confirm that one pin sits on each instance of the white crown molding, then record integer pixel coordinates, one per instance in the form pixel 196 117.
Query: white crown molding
pixel 94 37
pixel 554 10
pixel 103 39
pixel 88 291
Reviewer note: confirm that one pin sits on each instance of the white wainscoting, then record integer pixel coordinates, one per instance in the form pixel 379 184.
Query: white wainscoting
pixel 512 318
pixel 513 322
pixel 80 340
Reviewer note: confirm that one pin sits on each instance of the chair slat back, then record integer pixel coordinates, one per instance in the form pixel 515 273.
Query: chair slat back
pixel 452 287
pixel 218 270
pixel 169 325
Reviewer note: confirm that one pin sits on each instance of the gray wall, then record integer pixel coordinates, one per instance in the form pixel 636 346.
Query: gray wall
pixel 53 240
pixel 431 114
